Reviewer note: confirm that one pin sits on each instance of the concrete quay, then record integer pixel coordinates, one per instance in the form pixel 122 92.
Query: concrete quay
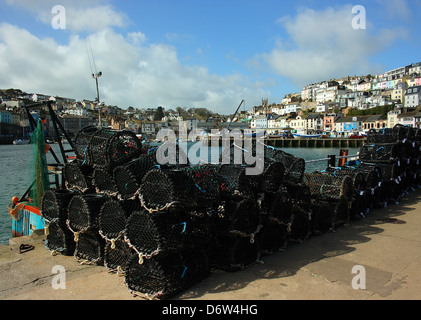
pixel 387 244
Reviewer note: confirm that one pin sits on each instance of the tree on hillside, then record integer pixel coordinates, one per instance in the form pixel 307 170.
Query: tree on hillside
pixel 158 114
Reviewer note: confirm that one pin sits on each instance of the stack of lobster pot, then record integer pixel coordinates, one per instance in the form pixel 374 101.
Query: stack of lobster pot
pixel 360 201
pixel 83 222
pixel 236 222
pixel 169 236
pixel 289 206
pixel 331 200
pixel 54 209
pixel 395 153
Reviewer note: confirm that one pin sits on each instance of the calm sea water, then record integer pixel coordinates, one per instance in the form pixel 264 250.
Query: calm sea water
pixel 15 174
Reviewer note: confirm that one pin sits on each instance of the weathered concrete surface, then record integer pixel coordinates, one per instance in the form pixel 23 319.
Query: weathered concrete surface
pixel 387 244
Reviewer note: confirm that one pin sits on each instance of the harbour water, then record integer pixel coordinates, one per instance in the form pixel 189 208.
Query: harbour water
pixel 15 174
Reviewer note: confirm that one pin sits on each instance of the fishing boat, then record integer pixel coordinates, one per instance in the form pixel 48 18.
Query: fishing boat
pixel 19 142
pixel 25 210
pixel 306 136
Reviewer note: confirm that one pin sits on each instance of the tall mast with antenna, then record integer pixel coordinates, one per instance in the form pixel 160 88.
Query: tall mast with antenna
pixel 95 75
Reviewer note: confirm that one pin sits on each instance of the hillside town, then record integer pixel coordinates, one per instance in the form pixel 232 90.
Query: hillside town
pixel 337 108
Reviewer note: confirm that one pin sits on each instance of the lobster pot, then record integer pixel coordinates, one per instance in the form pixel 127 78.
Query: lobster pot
pixel 239 218
pixel 236 234
pixel 104 182
pixel 164 233
pixel 273 236
pixel 169 154
pixel 405 132
pixel 54 204
pixel 81 143
pixel 300 229
pixel 385 152
pixel 294 166
pixel 163 187
pixel 300 195
pixel 417 135
pixel 374 179
pixel 109 148
pixel 163 277
pixel 328 215
pixel 278 205
pixel 128 176
pixel 323 186
pixel 59 238
pixel 113 217
pixel 84 212
pixel 272 176
pixel 78 176
pixel 117 254
pixel 385 135
pixel 90 246
pixel 234 182
pixel 359 203
pixel 206 180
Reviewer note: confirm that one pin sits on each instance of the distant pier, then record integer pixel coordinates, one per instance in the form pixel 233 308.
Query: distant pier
pixel 316 143
pixel 309 143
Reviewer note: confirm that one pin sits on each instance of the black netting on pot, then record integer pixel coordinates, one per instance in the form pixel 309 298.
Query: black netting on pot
pixel 373 174
pixel 385 152
pixel 206 180
pixel 84 212
pixel 59 238
pixel 78 176
pixel 90 248
pixel 235 182
pixel 116 255
pixel 161 188
pixel 300 229
pixel 54 204
pixel 164 276
pixel 294 166
pixel 82 142
pixel 128 176
pixel 300 195
pixel 162 233
pixel 279 206
pixel 108 148
pixel 327 215
pixel 385 135
pixel 234 253
pixel 405 132
pixel 272 176
pixel 239 219
pixel 104 181
pixel 417 135
pixel 327 187
pixel 113 217
pixel 273 236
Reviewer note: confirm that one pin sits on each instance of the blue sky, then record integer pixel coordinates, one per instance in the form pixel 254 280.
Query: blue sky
pixel 200 53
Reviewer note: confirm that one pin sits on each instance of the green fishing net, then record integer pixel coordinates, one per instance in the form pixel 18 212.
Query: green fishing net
pixel 39 170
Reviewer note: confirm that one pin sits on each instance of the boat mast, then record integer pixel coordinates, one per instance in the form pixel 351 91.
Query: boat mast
pixel 95 75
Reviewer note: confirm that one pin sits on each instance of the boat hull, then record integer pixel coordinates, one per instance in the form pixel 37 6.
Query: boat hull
pixel 306 136
pixel 25 220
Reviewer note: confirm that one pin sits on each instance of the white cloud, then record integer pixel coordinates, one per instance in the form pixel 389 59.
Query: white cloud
pixel 323 44
pixel 81 16
pixel 134 74
pixel 396 9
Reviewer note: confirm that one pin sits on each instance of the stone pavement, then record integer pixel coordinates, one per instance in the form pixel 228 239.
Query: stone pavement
pixel 387 244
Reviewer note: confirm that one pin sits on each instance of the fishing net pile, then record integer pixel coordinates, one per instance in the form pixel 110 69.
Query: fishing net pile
pixel 165 224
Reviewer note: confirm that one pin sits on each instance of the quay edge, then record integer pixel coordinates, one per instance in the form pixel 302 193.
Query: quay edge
pixel 387 244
